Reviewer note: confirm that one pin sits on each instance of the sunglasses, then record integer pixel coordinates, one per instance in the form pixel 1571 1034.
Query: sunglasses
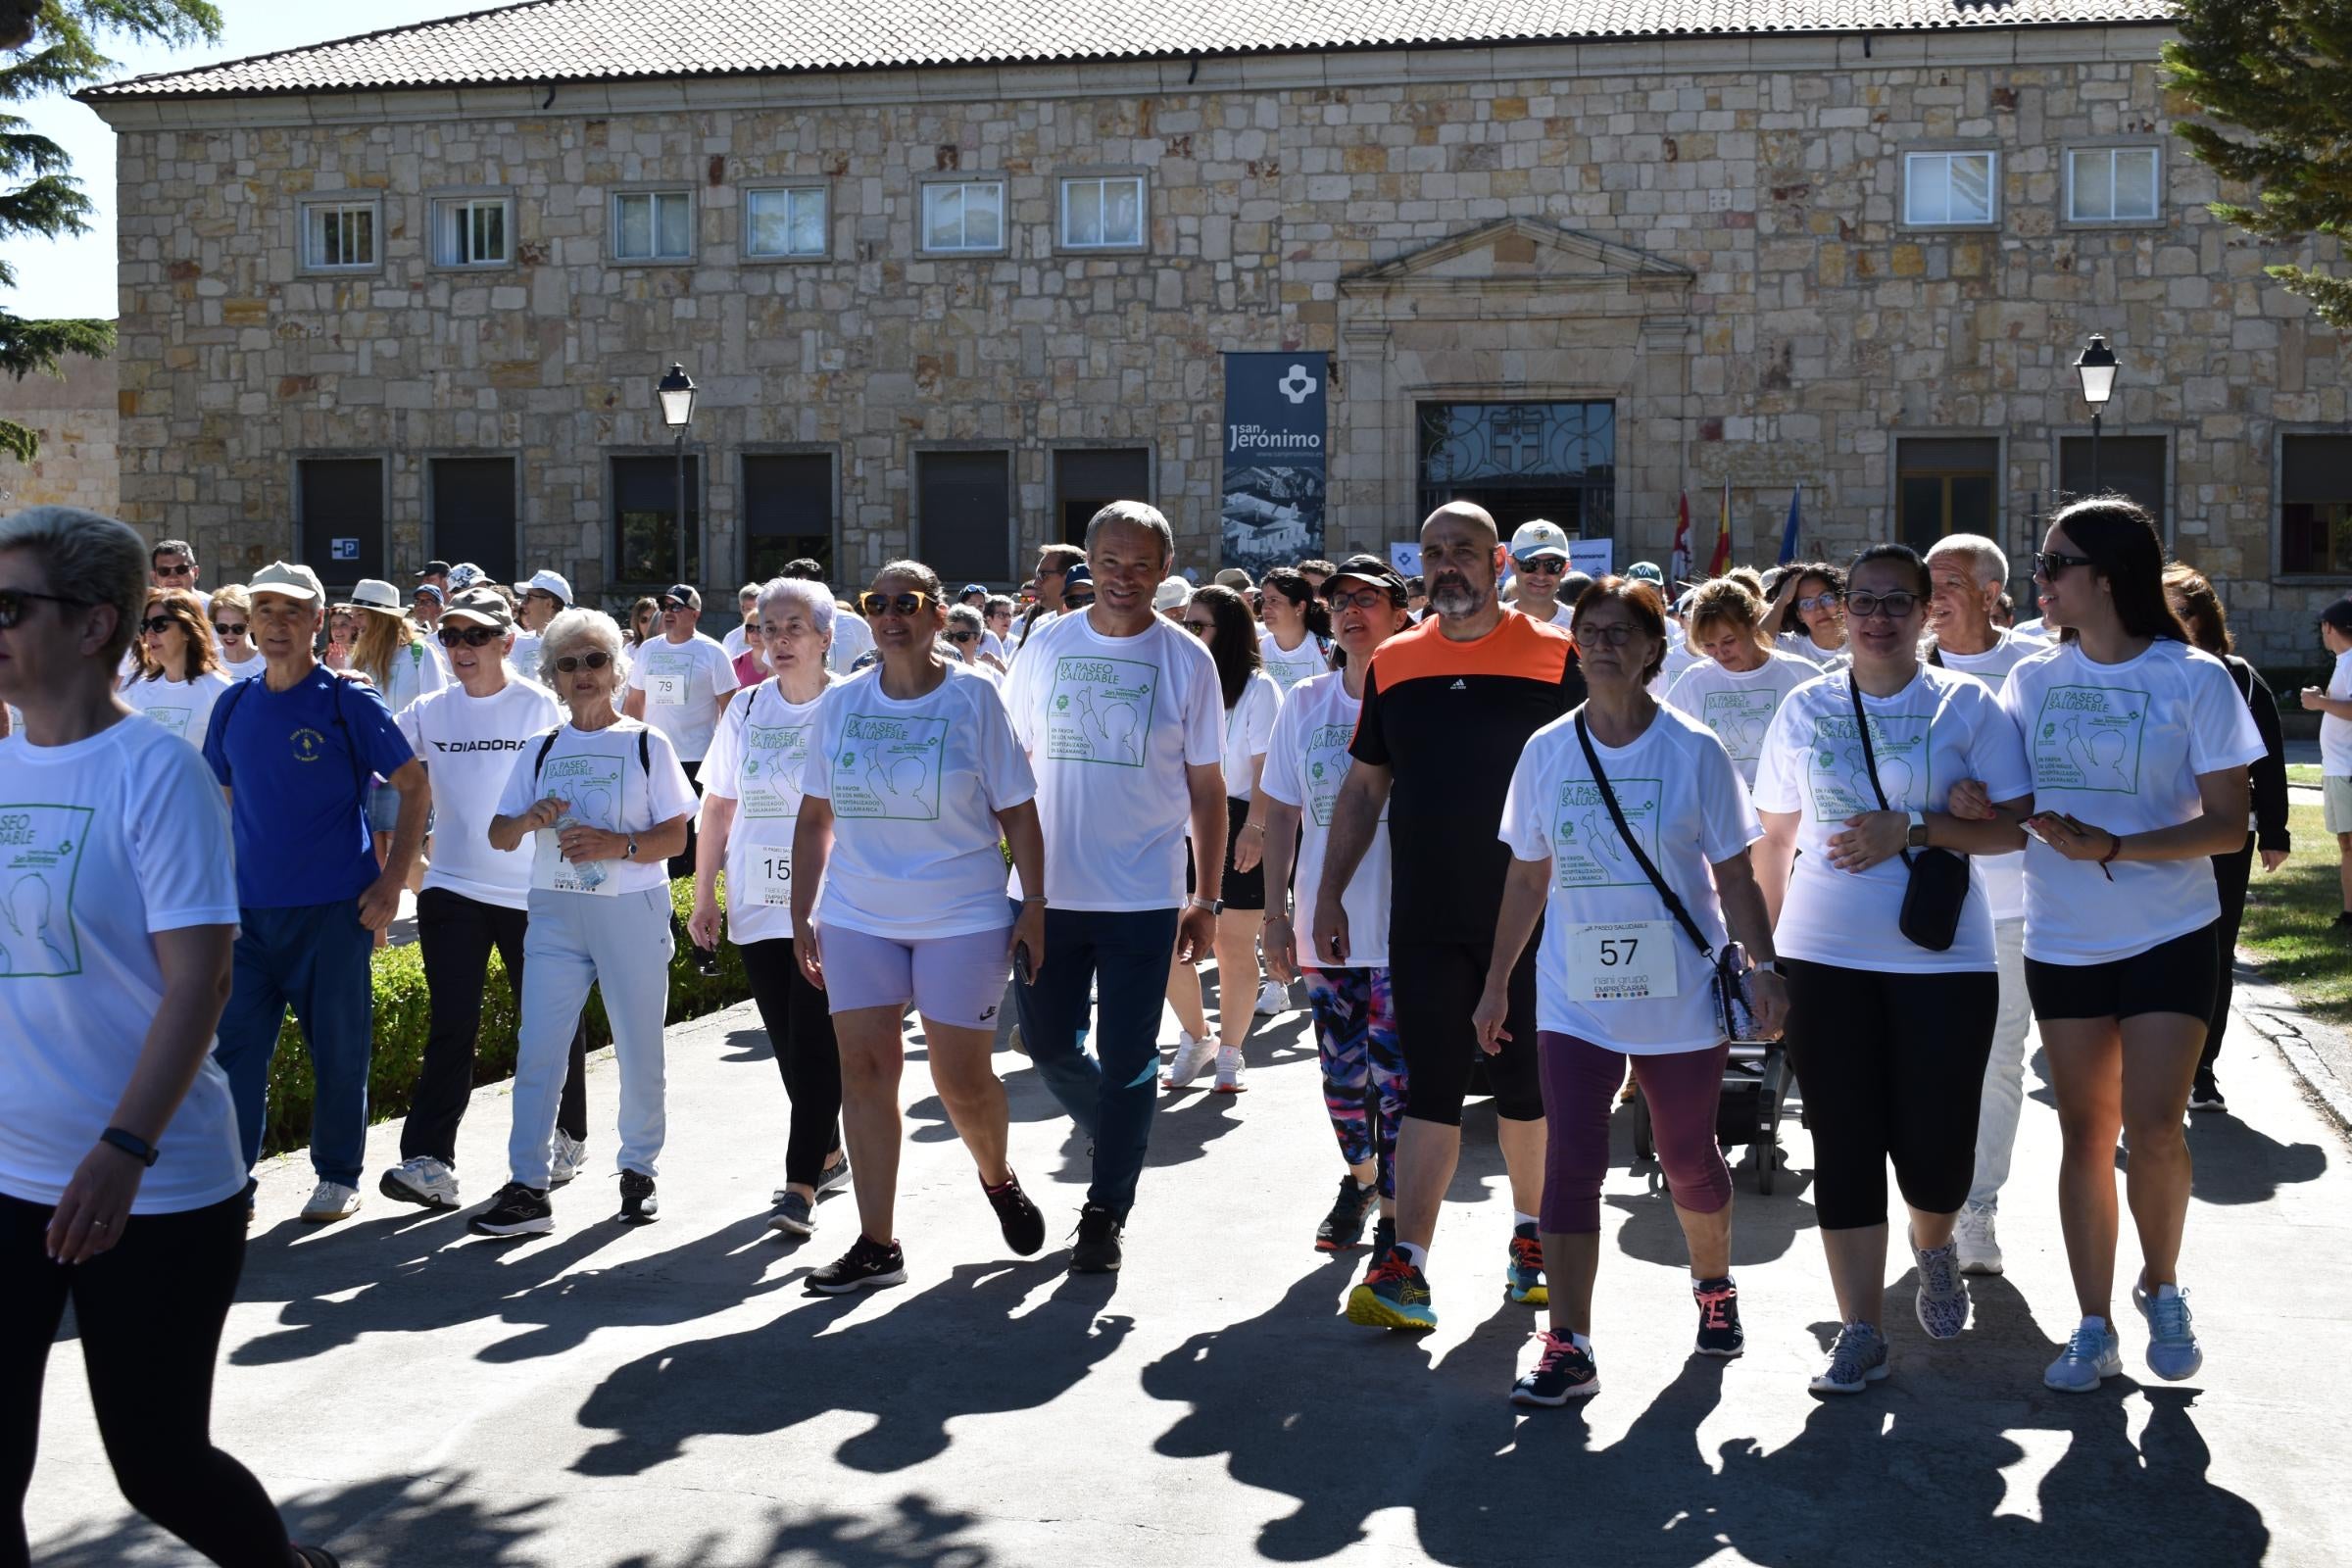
pixel 2048 563
pixel 910 603
pixel 671 607
pixel 184 569
pixel 225 630
pixel 574 661
pixel 1199 628
pixel 472 636
pixel 1818 601
pixel 158 624
pixel 1546 565
pixel 963 636
pixel 1361 599
pixel 1894 605
pixel 1616 634
pixel 12 604
pixel 1079 601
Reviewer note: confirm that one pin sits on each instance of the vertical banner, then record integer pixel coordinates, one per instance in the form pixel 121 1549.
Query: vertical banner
pixel 1274 472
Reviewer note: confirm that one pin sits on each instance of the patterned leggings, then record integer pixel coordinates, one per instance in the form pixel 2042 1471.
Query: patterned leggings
pixel 1363 1064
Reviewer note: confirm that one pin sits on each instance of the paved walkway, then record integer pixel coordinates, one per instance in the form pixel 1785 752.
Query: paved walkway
pixel 670 1397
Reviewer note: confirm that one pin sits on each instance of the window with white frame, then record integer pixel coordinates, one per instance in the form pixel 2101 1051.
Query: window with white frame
pixel 964 216
pixel 338 236
pixel 473 231
pixel 1949 187
pixel 1103 213
pixel 2111 185
pixel 785 223
pixel 655 225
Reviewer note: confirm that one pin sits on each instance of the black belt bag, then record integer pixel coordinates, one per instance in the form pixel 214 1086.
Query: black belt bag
pixel 1938 886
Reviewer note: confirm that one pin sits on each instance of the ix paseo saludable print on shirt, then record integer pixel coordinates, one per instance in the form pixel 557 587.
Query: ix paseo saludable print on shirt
pixel 888 767
pixel 40 861
pixel 1100 710
pixel 1839 772
pixel 2088 738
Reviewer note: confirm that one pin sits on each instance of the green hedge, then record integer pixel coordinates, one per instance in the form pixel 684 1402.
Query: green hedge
pixel 404 1014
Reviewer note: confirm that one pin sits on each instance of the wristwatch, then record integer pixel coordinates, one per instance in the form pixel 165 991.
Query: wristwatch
pixel 1917 838
pixel 630 854
pixel 1212 905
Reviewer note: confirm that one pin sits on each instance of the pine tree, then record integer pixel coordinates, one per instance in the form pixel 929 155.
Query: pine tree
pixel 2278 73
pixel 38 194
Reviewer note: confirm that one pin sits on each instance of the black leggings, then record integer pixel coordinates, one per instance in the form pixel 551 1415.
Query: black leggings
pixel 149 1314
pixel 2231 873
pixel 1892 1066
pixel 801 1029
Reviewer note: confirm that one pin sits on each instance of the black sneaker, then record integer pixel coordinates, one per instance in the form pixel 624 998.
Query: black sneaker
pixel 1719 1332
pixel 867 1265
pixel 1096 1250
pixel 793 1216
pixel 1343 1226
pixel 1384 1241
pixel 638 1204
pixel 1024 1227
pixel 1562 1373
pixel 2206 1096
pixel 834 1177
pixel 516 1210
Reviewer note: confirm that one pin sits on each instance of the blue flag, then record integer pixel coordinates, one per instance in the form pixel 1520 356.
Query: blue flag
pixel 1788 530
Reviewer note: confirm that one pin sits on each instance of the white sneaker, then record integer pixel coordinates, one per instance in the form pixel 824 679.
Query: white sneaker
pixel 1273 997
pixel 1979 1246
pixel 1229 1070
pixel 331 1200
pixel 422 1180
pixel 568 1155
pixel 1193 1057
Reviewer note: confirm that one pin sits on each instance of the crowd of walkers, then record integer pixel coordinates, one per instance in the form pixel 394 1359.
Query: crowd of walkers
pixel 1516 832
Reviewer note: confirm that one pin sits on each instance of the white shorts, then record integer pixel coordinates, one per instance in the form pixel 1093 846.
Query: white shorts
pixel 957 981
pixel 2335 802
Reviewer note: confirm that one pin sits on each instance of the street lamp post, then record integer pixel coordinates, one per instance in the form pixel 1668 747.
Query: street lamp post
pixel 676 393
pixel 2095 364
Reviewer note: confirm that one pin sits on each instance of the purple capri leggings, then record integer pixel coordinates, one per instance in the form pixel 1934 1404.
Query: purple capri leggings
pixel 1579 1087
pixel 957 981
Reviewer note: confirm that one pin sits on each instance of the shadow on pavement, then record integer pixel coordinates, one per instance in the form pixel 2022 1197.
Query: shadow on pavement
pixel 2236 1163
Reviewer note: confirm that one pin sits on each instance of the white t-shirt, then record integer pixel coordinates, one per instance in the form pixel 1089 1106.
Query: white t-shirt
pixel 991 643
pixel 1802 645
pixel 1738 704
pixel 2336 734
pixel 1111 724
pixel 1680 656
pixel 103 843
pixel 1306 762
pixel 1022 639
pixel 182 707
pixel 1249 727
pixel 754 759
pixel 2119 746
pixel 1941 729
pixel 915 788
pixel 247 670
pixel 733 641
pixel 853 640
pixel 415 670
pixel 1289 669
pixel 468 746
pixel 2004 875
pixel 523 658
pixel 681 682
pixel 600 774
pixel 1687 807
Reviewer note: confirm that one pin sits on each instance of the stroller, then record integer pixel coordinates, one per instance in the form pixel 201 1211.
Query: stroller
pixel 1758 1090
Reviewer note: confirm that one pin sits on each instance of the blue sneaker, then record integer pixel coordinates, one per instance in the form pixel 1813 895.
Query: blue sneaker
pixel 2172 1350
pixel 2092 1354
pixel 1858 1358
pixel 1523 1274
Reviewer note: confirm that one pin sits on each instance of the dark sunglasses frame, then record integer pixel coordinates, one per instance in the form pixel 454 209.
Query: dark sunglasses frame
pixel 907 602
pixel 11 608
pixel 471 636
pixel 1549 566
pixel 222 628
pixel 159 623
pixel 594 658
pixel 1863 607
pixel 2048 563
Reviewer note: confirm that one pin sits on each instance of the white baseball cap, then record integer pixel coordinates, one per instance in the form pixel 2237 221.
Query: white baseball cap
pixel 374 593
pixel 1539 538
pixel 286 578
pixel 550 582
pixel 1173 593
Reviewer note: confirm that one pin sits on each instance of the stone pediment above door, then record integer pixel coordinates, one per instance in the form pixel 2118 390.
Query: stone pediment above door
pixel 1524 255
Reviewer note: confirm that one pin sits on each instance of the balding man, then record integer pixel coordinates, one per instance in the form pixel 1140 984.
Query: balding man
pixel 1447 707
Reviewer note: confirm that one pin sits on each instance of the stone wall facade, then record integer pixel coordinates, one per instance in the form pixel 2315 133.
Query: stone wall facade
pixel 1706 232
pixel 78 464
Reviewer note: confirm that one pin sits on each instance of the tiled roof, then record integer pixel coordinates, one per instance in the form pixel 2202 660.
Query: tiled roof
pixel 587 40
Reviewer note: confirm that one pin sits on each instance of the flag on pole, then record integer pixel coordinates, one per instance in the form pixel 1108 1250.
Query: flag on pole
pixel 1679 561
pixel 1790 528
pixel 1720 561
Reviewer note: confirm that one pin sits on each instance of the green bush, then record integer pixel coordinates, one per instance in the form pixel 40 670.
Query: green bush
pixel 404 1016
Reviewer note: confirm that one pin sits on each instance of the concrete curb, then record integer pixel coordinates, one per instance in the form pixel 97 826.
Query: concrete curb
pixel 2320 1056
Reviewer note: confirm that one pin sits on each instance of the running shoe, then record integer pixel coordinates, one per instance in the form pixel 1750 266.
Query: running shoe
pixel 1393 1296
pixel 1979 1242
pixel 794 1215
pixel 331 1200
pixel 516 1210
pixel 1562 1373
pixel 1343 1226
pixel 1384 1242
pixel 1858 1358
pixel 834 1177
pixel 1523 1274
pixel 2092 1352
pixel 1193 1057
pixel 1023 1226
pixel 1943 1298
pixel 1097 1249
pixel 422 1180
pixel 566 1158
pixel 1719 1331
pixel 1229 1071
pixel 1273 997
pixel 2206 1094
pixel 867 1265
pixel 2172 1350
pixel 638 1204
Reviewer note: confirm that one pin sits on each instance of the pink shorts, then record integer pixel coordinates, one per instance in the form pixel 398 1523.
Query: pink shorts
pixel 957 981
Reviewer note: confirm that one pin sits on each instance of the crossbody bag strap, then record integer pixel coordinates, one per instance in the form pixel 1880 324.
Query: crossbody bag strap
pixel 1608 798
pixel 1869 760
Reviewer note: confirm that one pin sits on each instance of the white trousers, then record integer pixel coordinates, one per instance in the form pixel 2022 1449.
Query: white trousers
pixel 2005 1070
pixel 621 945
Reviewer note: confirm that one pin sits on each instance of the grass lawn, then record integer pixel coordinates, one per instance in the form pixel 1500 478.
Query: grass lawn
pixel 2287 924
pixel 2304 774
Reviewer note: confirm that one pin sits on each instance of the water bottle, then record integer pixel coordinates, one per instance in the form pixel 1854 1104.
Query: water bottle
pixel 589 874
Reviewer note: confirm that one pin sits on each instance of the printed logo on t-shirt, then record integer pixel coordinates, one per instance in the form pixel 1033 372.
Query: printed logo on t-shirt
pixel 1838 771
pixel 40 859
pixel 1327 762
pixel 1740 719
pixel 773 755
pixel 1100 710
pixel 174 719
pixel 2088 738
pixel 309 745
pixel 1587 849
pixel 591 784
pixel 888 767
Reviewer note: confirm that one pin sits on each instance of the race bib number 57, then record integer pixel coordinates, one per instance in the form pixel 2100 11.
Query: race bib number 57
pixel 1623 961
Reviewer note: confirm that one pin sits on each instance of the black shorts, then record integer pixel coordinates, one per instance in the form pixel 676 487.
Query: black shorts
pixel 1242 890
pixel 1435 987
pixel 2181 976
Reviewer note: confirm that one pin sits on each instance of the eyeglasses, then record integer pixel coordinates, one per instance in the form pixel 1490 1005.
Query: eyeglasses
pixel 225 630
pixel 1545 565
pixel 1827 601
pixel 963 637
pixel 1616 633
pixel 541 593
pixel 158 624
pixel 186 569
pixel 2048 563
pixel 908 603
pixel 1894 605
pixel 1361 599
pixel 1199 628
pixel 592 661
pixel 474 637
pixel 12 604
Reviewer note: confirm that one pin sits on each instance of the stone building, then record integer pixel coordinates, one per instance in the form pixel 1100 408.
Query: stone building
pixel 74 417
pixel 945 285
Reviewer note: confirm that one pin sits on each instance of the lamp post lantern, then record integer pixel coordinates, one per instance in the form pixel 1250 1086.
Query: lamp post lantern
pixel 676 394
pixel 2096 365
